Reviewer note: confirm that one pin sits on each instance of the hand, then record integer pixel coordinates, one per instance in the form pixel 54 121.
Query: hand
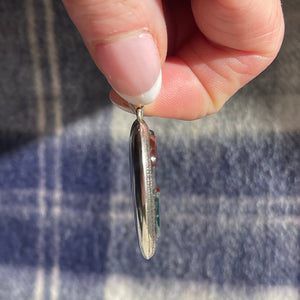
pixel 204 50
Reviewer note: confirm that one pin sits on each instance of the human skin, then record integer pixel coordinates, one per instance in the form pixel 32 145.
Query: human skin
pixel 205 49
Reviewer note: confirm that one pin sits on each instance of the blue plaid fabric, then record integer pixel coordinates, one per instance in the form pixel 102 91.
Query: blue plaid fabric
pixel 230 183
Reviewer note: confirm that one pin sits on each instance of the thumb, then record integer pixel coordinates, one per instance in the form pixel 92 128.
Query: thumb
pixel 128 42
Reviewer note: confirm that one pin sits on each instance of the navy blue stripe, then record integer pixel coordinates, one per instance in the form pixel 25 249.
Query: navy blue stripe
pixel 18 161
pixel 18 239
pixel 268 165
pixel 218 253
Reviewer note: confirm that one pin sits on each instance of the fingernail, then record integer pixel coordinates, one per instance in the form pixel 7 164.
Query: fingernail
pixel 132 67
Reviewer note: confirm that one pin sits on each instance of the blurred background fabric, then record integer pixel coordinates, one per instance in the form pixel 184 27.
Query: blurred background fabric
pixel 230 183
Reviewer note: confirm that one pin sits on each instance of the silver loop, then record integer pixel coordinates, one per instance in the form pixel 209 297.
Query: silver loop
pixel 140 113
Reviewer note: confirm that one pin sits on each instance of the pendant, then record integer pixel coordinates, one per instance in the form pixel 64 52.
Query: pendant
pixel 142 150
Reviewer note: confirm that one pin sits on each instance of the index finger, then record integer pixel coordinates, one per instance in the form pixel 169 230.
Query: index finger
pixel 225 53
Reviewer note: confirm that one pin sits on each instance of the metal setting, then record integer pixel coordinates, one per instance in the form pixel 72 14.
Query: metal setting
pixel 144 190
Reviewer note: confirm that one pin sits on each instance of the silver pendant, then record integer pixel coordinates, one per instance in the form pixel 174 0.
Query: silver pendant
pixel 144 190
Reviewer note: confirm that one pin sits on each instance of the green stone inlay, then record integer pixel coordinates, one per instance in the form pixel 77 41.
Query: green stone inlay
pixel 157 219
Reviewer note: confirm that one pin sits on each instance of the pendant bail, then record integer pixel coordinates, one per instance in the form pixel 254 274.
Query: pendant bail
pixel 138 111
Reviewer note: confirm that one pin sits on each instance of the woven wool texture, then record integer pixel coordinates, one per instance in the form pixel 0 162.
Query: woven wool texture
pixel 230 183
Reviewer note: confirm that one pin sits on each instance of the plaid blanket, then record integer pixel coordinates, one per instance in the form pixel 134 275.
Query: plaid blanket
pixel 230 183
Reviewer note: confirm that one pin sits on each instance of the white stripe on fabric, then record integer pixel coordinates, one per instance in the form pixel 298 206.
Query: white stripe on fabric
pixel 58 127
pixel 41 126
